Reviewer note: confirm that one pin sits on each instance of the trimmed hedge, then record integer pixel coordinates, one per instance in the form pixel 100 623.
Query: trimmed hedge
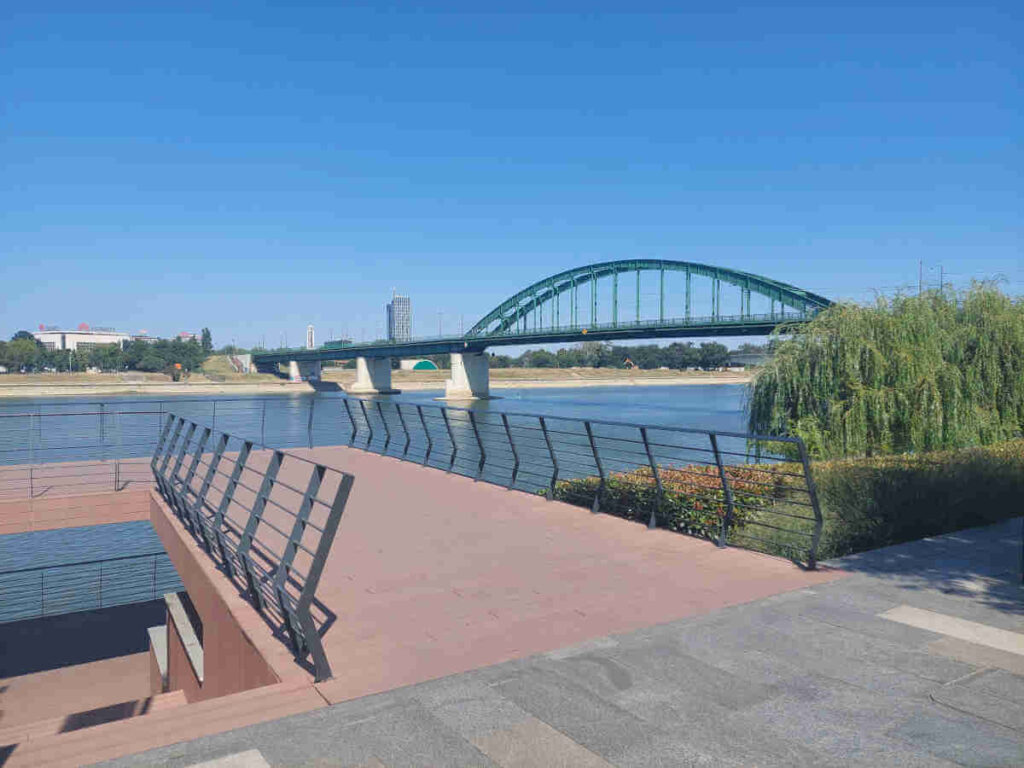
pixel 866 503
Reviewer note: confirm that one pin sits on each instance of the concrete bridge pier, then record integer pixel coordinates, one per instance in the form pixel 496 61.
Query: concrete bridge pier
pixel 373 377
pixel 470 378
pixel 304 371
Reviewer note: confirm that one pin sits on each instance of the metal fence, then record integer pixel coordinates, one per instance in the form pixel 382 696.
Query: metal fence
pixel 266 517
pixel 748 490
pixel 29 593
pixel 736 488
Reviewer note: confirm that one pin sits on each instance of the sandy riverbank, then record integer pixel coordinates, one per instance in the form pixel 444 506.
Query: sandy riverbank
pixel 29 386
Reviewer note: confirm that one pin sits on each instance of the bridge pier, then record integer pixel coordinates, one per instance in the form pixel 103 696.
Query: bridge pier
pixel 304 371
pixel 470 377
pixel 373 377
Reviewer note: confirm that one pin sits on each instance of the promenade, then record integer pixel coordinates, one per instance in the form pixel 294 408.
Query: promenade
pixel 915 658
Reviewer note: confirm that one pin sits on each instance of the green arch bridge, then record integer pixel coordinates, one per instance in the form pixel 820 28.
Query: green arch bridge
pixel 609 301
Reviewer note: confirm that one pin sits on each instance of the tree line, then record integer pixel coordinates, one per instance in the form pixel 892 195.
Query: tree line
pixel 598 354
pixel 24 353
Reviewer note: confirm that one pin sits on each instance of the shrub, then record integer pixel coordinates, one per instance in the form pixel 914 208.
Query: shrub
pixel 692 499
pixel 874 502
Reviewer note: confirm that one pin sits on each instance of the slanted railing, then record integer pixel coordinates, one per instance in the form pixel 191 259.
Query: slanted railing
pixel 267 518
pixel 735 488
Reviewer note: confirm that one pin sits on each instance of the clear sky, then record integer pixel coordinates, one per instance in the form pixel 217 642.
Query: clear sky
pixel 254 166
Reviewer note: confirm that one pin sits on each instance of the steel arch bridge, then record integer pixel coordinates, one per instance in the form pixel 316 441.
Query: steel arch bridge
pixel 586 304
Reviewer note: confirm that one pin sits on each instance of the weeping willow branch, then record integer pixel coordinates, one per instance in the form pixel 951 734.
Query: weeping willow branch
pixel 909 374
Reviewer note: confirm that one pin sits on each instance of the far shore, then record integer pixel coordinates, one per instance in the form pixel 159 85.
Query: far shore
pixel 49 385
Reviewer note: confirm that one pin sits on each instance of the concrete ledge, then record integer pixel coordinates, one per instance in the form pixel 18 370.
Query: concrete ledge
pixel 158 658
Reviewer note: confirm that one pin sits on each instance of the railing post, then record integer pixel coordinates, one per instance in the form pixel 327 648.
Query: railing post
pixel 554 459
pixel 100 605
pixel 600 468
pixel 263 425
pixel 387 429
pixel 213 424
pixel 405 429
pixel 812 491
pixel 225 501
pixel 197 506
pixel 426 432
pixel 117 474
pixel 653 522
pixel 369 426
pixel 351 421
pixel 103 435
pixel 309 423
pixel 255 518
pixel 726 521
pixel 451 436
pixel 480 446
pixel 512 446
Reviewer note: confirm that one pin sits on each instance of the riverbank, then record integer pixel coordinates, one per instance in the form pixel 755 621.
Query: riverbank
pixel 78 385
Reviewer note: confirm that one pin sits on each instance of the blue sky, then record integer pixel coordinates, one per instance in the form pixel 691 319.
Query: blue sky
pixel 253 167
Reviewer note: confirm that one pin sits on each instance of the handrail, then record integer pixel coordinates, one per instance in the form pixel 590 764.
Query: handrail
pixel 234 530
pixel 683 478
pixel 32 597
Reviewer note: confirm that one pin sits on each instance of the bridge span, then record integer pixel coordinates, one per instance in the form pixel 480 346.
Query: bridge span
pixel 581 304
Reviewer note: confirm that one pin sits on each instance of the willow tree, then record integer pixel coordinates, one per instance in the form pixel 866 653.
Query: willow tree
pixel 940 370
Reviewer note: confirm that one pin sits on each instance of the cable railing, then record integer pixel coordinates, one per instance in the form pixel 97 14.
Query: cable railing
pixel 87 585
pixel 265 516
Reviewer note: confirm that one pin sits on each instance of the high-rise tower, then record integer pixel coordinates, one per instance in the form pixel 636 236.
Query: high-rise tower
pixel 399 318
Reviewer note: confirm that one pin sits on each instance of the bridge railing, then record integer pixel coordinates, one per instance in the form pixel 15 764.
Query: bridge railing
pixel 734 488
pixel 268 518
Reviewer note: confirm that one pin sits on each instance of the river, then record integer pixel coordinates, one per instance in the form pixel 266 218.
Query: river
pixel 70 428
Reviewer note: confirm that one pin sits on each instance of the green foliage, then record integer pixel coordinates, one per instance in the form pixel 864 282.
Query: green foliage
pixel 866 502
pixel 692 500
pixel 596 354
pixel 922 373
pixel 207 341
pixel 875 502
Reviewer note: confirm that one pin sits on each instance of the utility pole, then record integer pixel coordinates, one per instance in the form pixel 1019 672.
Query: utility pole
pixel 942 278
pixel 920 276
pixel 439 315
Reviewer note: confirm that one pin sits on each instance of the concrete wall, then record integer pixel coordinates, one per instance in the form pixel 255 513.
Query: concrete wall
pixel 231 661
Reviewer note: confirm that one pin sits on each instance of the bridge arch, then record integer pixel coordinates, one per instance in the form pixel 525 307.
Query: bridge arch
pixel 511 314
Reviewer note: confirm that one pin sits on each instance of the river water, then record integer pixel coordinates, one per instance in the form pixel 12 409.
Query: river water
pixel 70 428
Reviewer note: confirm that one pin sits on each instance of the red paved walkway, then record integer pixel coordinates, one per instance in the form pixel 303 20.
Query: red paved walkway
pixel 433 574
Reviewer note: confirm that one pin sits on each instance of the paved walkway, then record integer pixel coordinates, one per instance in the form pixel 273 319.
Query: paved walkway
pixel 917 659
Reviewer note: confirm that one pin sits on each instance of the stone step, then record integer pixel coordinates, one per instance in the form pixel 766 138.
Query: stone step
pixel 166 725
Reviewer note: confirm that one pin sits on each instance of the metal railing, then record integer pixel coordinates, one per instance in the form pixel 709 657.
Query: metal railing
pixel 266 517
pixel 735 488
pixel 759 488
pixel 87 585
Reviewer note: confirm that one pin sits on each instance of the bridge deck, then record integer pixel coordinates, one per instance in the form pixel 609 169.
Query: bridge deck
pixel 433 574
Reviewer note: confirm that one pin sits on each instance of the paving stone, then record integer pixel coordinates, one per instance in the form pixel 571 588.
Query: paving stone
pixel 967 741
pixel 1001 683
pixel 981 704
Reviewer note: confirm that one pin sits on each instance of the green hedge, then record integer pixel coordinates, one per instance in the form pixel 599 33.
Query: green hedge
pixel 866 503
pixel 875 502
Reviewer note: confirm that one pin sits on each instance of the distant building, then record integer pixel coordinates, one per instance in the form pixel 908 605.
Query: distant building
pixel 310 337
pixel 399 316
pixel 188 336
pixel 82 337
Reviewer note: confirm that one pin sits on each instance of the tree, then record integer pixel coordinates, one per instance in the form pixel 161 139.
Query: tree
pixel 22 353
pixel 207 342
pixel 23 335
pixel 713 355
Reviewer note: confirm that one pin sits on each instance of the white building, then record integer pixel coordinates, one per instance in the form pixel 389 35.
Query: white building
pixel 310 338
pixel 82 338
